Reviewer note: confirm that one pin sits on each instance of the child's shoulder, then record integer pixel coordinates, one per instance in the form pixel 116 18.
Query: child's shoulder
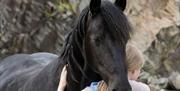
pixel 138 86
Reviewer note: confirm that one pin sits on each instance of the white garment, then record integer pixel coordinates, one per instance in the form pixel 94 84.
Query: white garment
pixel 138 86
pixel 87 89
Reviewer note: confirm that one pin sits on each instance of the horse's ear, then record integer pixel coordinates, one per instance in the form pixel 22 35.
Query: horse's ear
pixel 95 6
pixel 121 4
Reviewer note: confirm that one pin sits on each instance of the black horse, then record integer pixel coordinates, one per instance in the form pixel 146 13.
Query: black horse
pixel 94 50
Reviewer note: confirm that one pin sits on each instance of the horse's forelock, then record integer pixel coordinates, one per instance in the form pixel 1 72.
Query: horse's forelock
pixel 117 22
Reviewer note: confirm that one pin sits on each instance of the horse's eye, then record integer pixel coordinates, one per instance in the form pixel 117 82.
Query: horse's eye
pixel 98 40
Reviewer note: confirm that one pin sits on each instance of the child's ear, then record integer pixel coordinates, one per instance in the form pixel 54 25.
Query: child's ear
pixel 133 71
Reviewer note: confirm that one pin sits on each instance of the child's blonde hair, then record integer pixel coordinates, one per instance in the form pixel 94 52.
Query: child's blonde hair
pixel 134 60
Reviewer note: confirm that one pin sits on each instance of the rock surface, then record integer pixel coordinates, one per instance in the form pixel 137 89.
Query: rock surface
pixel 148 17
pixel 40 25
pixel 157 34
pixel 28 26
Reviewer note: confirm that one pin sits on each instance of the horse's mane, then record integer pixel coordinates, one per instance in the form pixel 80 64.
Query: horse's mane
pixel 73 47
pixel 118 27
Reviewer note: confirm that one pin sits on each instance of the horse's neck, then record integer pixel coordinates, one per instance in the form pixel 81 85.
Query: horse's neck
pixel 48 77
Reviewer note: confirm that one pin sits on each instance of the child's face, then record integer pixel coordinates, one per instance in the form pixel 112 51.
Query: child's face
pixel 135 74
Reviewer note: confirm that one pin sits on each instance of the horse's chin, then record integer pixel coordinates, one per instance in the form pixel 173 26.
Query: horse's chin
pixel 119 88
pixel 115 85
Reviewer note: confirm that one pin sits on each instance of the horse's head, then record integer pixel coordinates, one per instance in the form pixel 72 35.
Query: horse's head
pixel 97 46
pixel 105 42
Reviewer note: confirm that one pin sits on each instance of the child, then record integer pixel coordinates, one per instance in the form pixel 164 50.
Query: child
pixel 135 62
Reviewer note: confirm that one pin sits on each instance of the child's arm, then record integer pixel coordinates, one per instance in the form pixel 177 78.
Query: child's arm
pixel 63 82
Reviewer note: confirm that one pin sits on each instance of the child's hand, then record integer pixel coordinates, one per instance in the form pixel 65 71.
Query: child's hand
pixel 63 82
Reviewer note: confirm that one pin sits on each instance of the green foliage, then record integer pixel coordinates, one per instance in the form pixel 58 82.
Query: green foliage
pixel 64 6
pixel 67 6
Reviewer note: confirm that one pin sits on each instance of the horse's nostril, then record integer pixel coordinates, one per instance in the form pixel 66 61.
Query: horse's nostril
pixel 113 90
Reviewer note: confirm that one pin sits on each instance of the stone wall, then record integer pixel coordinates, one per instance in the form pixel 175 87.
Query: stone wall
pixel 149 17
pixel 28 26
pixel 157 33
